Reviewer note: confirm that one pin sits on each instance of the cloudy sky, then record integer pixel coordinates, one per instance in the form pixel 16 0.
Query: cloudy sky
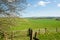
pixel 42 8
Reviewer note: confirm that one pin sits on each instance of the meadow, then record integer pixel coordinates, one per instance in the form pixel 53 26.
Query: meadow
pixel 36 24
pixel 23 24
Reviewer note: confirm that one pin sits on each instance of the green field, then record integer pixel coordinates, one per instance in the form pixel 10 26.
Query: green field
pixel 23 25
pixel 37 24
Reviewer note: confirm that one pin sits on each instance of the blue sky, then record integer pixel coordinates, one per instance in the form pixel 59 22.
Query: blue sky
pixel 42 8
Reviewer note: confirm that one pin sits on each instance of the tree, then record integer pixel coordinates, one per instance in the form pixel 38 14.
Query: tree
pixel 9 9
pixel 12 7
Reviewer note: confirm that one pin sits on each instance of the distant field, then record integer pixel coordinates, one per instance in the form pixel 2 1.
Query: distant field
pixel 36 24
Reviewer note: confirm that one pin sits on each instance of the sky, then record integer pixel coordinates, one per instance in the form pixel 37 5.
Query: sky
pixel 42 8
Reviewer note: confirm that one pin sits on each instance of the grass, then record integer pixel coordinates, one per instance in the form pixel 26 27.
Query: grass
pixel 51 24
pixel 24 24
pixel 50 36
pixel 35 24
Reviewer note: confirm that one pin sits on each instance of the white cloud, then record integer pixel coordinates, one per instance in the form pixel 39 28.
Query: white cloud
pixel 29 5
pixel 43 3
pixel 58 5
pixel 40 3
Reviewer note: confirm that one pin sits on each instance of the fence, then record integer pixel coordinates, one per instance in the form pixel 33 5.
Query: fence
pixel 27 34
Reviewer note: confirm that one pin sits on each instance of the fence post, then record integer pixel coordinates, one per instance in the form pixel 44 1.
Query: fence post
pixel 45 30
pixel 31 32
pixel 35 34
pixel 56 29
pixel 39 31
pixel 35 37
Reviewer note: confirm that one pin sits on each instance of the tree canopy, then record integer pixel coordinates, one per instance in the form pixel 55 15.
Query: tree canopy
pixel 12 7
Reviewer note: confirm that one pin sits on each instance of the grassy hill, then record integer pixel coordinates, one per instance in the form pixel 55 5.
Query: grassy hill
pixel 15 24
pixel 24 24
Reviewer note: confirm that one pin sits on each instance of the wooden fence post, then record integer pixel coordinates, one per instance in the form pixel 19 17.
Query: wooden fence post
pixel 45 30
pixel 39 31
pixel 56 29
pixel 35 34
pixel 31 33
pixel 35 37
